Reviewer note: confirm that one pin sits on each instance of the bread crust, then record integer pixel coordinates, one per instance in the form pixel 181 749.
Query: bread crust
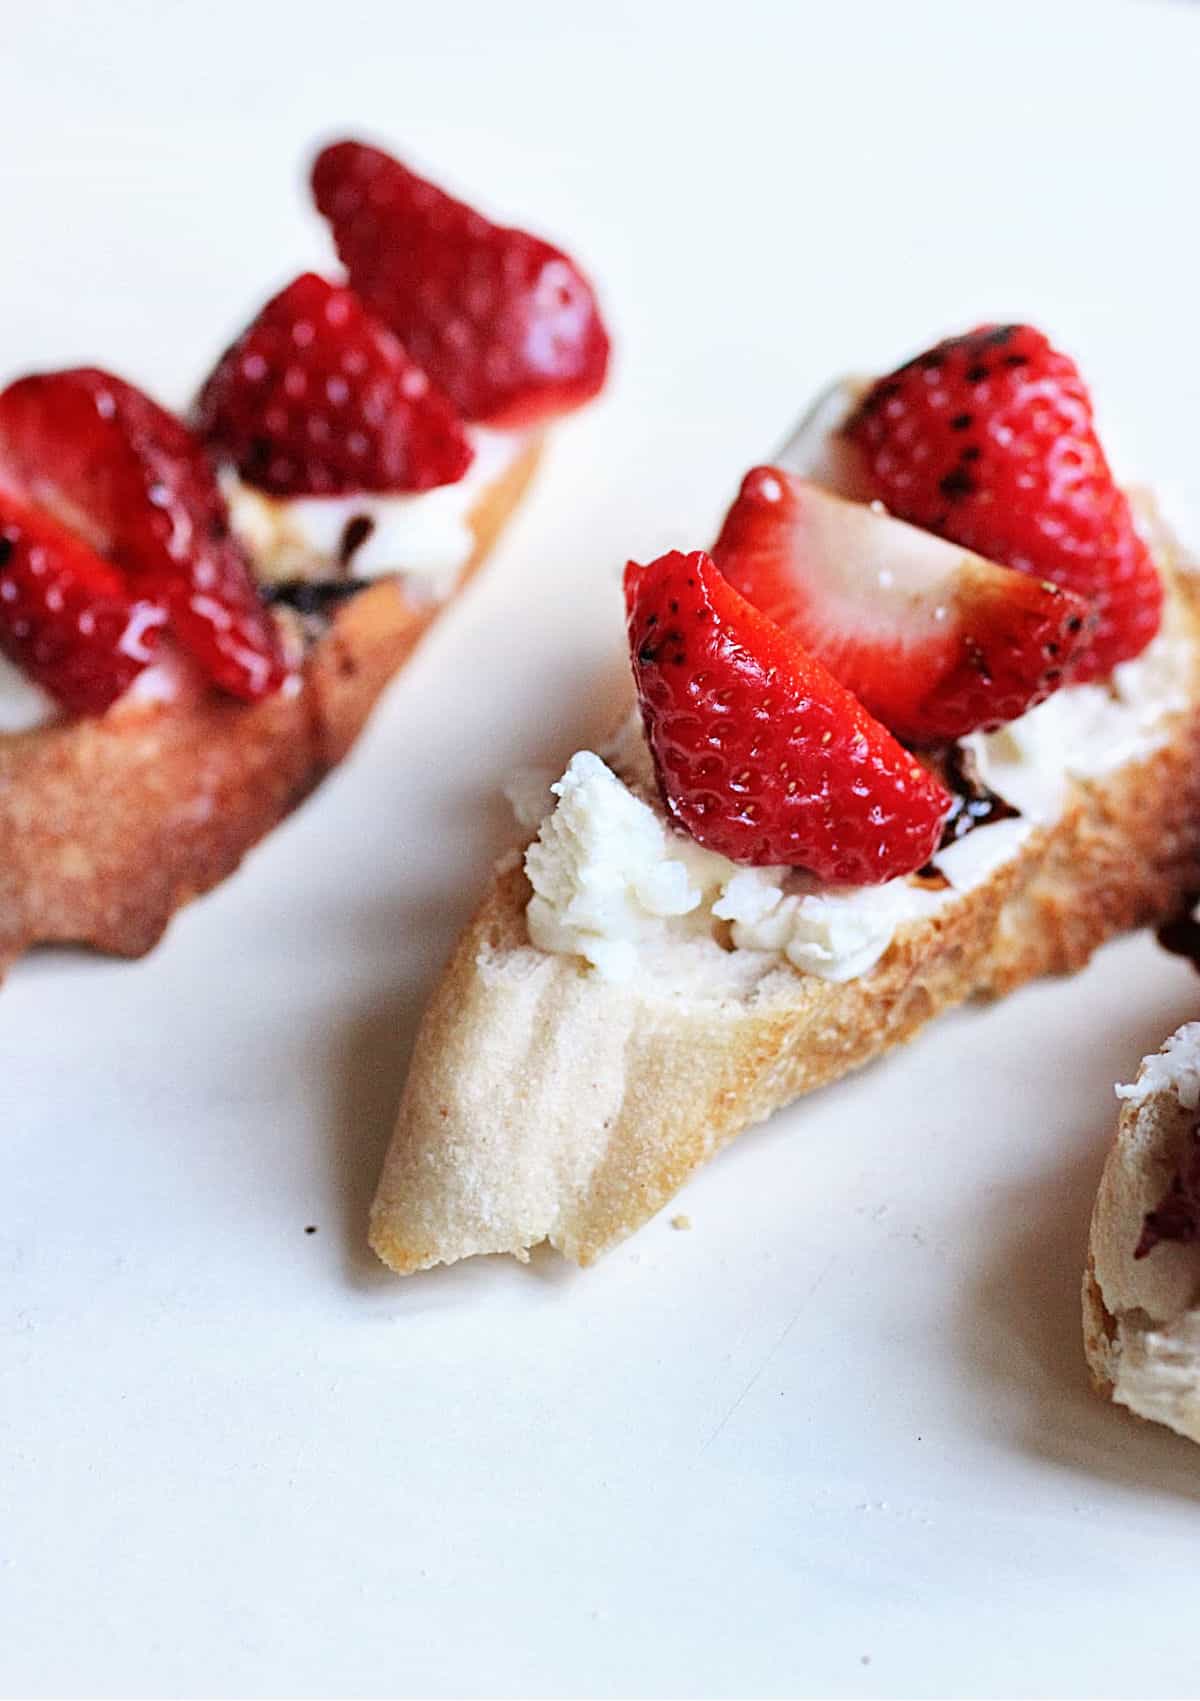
pixel 110 824
pixel 1141 1317
pixel 544 1103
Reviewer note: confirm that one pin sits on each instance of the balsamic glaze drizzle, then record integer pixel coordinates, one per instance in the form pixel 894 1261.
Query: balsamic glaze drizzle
pixel 975 804
pixel 318 598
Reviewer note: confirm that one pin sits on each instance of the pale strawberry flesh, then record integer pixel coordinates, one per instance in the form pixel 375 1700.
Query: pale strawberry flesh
pixel 935 641
pixel 989 439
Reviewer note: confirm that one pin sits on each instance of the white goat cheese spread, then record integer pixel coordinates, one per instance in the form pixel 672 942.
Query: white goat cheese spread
pixel 425 536
pixel 610 873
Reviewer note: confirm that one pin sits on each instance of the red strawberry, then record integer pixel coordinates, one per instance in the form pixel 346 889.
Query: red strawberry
pixel 988 439
pixel 502 322
pixel 935 642
pixel 66 619
pixel 131 480
pixel 317 398
pixel 760 753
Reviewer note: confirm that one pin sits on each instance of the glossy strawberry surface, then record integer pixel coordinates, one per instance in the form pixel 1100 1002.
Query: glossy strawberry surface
pixel 131 480
pixel 760 753
pixel 66 619
pixel 935 641
pixel 989 439
pixel 318 398
pixel 504 323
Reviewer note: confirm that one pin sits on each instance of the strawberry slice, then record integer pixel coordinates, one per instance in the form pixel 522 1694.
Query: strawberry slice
pixel 760 753
pixel 506 325
pixel 66 619
pixel 988 439
pixel 318 398
pixel 934 641
pixel 131 480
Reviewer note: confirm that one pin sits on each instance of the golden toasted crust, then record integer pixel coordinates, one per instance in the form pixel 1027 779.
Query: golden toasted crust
pixel 109 825
pixel 1099 1332
pixel 545 1103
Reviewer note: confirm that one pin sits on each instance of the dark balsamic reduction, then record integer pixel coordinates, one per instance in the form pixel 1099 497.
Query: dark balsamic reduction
pixel 1177 1215
pixel 975 804
pixel 314 602
pixel 355 533
pixel 320 598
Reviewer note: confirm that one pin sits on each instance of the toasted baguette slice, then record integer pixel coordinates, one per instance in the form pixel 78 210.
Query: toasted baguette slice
pixel 1141 1316
pixel 109 825
pixel 546 1103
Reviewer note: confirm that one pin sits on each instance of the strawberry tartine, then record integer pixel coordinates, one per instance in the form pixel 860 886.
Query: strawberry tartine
pixel 196 618
pixel 950 618
pixel 924 724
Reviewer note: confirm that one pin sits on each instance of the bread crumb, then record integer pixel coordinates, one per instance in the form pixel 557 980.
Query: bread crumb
pixel 681 1221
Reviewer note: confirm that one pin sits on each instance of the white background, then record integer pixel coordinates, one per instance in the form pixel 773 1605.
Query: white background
pixel 838 1438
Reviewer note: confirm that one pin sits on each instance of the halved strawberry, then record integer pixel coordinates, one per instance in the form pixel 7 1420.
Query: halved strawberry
pixel 506 325
pixel 131 480
pixel 760 753
pixel 988 439
pixel 935 641
pixel 66 619
pixel 318 398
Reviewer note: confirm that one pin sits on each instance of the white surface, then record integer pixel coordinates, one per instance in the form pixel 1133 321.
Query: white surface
pixel 842 1421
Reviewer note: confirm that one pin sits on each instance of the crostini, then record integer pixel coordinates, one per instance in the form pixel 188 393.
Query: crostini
pixel 197 619
pixel 924 725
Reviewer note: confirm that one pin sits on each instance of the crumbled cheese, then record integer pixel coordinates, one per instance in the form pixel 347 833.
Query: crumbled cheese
pixel 1176 1069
